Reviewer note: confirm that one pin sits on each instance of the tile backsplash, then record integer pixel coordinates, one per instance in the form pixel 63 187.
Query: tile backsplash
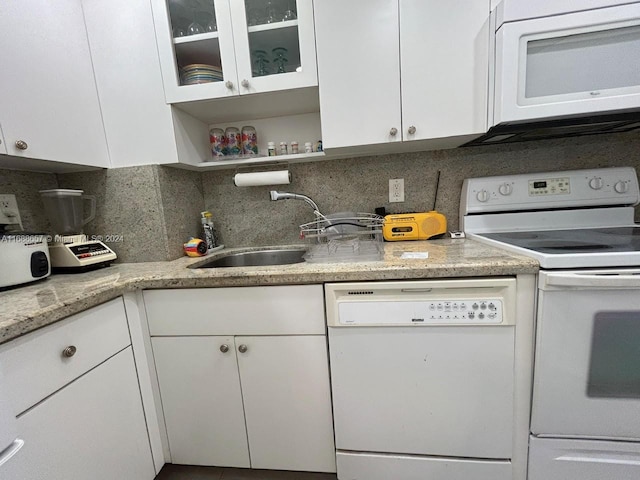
pixel 156 208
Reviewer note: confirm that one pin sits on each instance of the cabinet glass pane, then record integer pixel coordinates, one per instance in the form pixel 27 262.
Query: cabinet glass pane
pixel 587 62
pixel 195 36
pixel 614 367
pixel 273 36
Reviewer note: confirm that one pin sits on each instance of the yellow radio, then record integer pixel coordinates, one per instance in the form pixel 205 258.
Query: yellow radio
pixel 414 226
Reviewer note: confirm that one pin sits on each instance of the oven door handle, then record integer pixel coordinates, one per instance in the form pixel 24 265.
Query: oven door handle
pixel 592 281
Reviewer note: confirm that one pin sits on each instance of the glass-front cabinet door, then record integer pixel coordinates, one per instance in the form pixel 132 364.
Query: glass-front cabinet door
pixel 220 48
pixel 275 44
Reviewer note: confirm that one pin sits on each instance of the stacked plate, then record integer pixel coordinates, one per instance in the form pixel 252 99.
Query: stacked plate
pixel 200 73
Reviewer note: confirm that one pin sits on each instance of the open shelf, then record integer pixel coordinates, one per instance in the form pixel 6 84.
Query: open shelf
pixel 259 160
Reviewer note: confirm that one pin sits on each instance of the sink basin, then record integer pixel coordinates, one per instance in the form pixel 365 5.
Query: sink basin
pixel 256 258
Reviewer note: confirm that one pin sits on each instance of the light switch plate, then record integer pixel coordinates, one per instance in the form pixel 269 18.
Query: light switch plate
pixel 396 190
pixel 9 213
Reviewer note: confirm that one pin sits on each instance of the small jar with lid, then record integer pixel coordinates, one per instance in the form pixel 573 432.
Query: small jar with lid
pixel 271 149
pixel 283 148
pixel 308 147
pixel 294 148
pixel 249 141
pixel 233 140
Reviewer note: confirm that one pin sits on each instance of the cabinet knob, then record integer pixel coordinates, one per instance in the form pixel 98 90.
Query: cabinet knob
pixel 242 348
pixel 224 348
pixel 69 352
pixel 412 130
pixel 393 132
pixel 229 84
pixel 245 83
pixel 21 145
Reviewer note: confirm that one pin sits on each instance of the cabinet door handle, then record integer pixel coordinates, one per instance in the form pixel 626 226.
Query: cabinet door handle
pixel 393 132
pixel 70 351
pixel 412 130
pixel 229 84
pixel 245 83
pixel 224 348
pixel 21 145
pixel 243 348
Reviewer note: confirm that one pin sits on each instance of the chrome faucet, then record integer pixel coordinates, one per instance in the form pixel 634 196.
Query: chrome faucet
pixel 296 196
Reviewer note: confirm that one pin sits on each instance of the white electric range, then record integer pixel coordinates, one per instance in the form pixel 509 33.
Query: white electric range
pixel 586 394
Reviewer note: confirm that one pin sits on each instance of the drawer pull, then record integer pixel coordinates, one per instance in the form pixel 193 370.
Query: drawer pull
pixel 224 348
pixel 69 352
pixel 242 349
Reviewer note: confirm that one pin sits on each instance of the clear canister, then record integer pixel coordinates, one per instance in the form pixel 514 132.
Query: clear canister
pixel 233 141
pixel 249 141
pixel 217 140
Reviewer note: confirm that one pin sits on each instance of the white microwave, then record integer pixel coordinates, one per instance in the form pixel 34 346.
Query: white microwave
pixel 561 71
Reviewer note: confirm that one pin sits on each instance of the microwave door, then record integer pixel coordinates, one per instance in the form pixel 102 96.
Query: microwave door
pixel 568 65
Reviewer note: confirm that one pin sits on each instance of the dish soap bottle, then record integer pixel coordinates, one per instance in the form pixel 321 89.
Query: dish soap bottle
pixel 209 232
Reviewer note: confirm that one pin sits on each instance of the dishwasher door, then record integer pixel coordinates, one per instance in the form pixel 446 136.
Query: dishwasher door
pixel 418 373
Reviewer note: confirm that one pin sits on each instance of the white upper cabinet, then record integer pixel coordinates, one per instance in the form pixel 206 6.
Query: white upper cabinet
pixel 223 48
pixel 406 70
pixel 49 105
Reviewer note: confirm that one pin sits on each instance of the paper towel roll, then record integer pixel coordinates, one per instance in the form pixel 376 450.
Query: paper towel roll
pixel 254 179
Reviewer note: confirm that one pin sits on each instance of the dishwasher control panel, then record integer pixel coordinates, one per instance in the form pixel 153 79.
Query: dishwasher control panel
pixel 469 311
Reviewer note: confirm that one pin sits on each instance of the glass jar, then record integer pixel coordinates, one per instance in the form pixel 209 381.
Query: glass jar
pixel 271 149
pixel 249 141
pixel 233 141
pixel 217 140
pixel 308 147
pixel 283 148
pixel 294 147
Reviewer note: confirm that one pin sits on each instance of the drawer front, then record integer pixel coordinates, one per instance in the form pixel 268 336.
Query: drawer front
pixel 362 466
pixel 273 310
pixel 35 365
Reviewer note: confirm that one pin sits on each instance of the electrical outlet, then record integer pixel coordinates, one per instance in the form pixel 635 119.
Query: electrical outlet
pixel 9 213
pixel 396 190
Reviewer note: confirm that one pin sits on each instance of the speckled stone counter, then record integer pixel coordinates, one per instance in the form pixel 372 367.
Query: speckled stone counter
pixel 27 308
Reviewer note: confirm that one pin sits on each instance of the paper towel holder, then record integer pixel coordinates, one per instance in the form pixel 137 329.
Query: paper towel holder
pixel 276 173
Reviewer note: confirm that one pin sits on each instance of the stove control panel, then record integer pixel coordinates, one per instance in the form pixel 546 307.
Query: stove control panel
pixel 553 190
pixel 476 311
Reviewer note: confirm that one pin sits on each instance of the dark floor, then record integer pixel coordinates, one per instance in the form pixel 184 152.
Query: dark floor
pixel 182 472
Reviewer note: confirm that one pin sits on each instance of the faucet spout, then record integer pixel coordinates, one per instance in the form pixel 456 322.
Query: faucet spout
pixel 295 196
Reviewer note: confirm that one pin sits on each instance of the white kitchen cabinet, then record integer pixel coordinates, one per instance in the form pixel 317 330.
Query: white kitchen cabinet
pixel 49 106
pixel 138 123
pixel 239 49
pixel 74 389
pixel 408 70
pixel 244 383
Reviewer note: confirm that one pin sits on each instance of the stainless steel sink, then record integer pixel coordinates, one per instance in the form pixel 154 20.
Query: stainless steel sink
pixel 256 258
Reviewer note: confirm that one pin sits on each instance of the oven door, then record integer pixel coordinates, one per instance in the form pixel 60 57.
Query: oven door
pixel 587 362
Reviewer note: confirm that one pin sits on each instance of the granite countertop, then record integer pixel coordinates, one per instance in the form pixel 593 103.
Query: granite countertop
pixel 27 308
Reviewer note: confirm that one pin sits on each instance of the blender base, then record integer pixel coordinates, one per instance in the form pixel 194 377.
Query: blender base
pixel 77 253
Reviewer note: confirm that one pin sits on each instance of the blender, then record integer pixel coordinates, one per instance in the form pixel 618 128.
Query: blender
pixel 70 249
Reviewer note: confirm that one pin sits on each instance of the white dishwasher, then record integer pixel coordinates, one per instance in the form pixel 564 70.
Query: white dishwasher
pixel 422 374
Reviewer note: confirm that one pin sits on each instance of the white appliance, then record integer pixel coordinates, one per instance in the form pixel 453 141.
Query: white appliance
pixel 422 376
pixel 24 257
pixel 564 68
pixel 70 249
pixel 10 444
pixel 586 393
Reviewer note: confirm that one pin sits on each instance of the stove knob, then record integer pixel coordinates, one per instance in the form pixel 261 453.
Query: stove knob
pixel 595 183
pixel 621 187
pixel 505 189
pixel 482 196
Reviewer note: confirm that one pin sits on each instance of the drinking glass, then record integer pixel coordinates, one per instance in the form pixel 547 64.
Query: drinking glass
pixel 261 62
pixel 270 13
pixel 194 27
pixel 289 13
pixel 279 58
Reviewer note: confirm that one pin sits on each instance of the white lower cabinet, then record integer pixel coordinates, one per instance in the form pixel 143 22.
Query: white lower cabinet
pixel 258 399
pixel 74 389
